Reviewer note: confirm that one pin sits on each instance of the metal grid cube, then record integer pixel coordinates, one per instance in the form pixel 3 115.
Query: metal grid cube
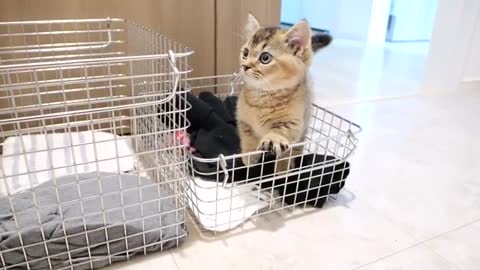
pixel 230 201
pixel 101 88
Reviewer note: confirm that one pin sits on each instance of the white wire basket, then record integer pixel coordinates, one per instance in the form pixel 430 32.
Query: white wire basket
pixel 223 193
pixel 91 171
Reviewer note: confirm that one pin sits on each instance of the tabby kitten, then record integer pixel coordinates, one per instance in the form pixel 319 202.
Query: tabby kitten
pixel 274 105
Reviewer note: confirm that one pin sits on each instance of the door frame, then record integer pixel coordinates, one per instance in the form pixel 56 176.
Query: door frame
pixel 451 44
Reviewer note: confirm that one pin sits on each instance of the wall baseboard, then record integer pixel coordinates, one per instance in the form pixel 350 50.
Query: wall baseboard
pixel 470 85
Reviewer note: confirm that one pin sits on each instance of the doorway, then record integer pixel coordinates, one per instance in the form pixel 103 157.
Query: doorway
pixel 379 47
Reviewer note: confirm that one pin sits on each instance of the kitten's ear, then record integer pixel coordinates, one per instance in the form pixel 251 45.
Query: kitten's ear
pixel 299 36
pixel 252 26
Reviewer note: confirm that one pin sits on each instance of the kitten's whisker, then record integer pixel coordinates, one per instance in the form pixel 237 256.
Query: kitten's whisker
pixel 239 35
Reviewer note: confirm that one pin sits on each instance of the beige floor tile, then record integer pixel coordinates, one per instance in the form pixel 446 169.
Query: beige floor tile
pixel 155 260
pixel 461 247
pixel 417 161
pixel 416 258
pixel 344 235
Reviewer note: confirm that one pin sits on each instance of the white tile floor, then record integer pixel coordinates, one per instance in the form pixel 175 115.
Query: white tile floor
pixel 349 71
pixel 412 200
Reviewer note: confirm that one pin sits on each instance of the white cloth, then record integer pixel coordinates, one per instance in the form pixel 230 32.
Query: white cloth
pixel 41 157
pixel 221 209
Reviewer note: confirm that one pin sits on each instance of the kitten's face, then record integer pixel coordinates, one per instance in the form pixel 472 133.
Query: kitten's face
pixel 274 58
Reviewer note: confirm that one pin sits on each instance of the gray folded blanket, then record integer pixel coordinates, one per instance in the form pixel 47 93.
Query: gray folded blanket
pixel 104 216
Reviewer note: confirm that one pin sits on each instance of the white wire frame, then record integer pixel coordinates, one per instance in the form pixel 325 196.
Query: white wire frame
pixel 328 135
pixel 89 76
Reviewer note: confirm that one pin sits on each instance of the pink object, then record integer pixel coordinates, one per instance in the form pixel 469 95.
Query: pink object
pixel 184 139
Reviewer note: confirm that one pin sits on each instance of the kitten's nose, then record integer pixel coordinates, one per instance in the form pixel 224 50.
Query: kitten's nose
pixel 246 67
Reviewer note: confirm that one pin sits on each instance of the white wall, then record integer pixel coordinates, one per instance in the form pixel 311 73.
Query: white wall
pixel 453 56
pixel 413 19
pixel 472 68
pixel 349 19
pixel 354 19
pixel 379 21
pixel 292 11
pixel 321 14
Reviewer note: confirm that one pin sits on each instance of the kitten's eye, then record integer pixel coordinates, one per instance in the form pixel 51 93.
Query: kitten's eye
pixel 265 58
pixel 245 53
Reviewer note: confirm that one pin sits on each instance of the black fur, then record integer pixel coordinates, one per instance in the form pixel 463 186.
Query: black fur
pixel 320 41
pixel 264 34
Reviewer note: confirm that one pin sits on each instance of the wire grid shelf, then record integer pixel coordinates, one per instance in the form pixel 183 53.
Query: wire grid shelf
pixel 232 193
pixel 91 171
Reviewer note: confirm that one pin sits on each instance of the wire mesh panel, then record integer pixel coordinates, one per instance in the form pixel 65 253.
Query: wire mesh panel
pixel 92 170
pixel 223 192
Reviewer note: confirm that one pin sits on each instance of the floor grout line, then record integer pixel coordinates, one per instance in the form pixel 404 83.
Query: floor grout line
pixel 440 255
pixel 174 261
pixel 421 243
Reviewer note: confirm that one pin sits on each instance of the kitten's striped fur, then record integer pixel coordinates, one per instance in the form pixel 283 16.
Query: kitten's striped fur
pixel 274 104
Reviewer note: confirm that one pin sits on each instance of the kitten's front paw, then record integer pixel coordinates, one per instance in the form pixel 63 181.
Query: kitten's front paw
pixel 274 143
pixel 250 159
